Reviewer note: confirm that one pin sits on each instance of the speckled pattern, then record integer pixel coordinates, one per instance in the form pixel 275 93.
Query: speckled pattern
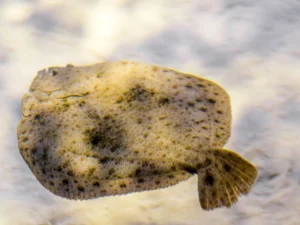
pixel 250 47
pixel 119 127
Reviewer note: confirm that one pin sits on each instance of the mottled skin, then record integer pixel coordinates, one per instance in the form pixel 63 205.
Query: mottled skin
pixel 120 127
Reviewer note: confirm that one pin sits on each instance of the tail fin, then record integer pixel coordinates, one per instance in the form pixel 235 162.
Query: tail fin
pixel 221 183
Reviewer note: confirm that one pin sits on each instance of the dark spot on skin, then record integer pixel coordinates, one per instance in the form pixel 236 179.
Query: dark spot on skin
pixel 121 99
pixel 219 112
pixel 91 171
pixel 66 163
pixel 105 160
pixel 227 168
pixel 59 169
pixel 109 118
pixel 138 171
pixel 138 93
pixel 95 139
pixel 191 104
pixel 171 176
pixel 114 148
pixel 70 173
pixel 145 164
pixel 163 101
pixel 203 109
pixel 200 85
pixel 34 151
pixel 80 188
pixel 38 118
pixel 189 86
pixel 190 169
pixel 103 191
pixel 66 105
pixel 198 100
pixel 123 185
pixel 45 154
pixel 108 134
pixel 25 139
pixel 162 117
pixel 111 171
pixel 211 100
pixel 96 184
pixel 140 180
pixel 43 171
pixel 218 135
pixel 65 182
pixel 217 121
pixel 155 172
pixel 99 74
pixel 81 104
pixel 152 166
pixel 157 182
pixel 93 115
pixel 54 73
pixel 209 180
pixel 214 194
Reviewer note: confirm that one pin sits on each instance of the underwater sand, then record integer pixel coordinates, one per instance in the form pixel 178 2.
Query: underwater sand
pixel 251 48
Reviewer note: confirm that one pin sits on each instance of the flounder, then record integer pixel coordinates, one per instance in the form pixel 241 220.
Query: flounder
pixel 120 127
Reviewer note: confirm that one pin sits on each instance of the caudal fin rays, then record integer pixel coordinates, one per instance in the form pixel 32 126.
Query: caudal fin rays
pixel 222 184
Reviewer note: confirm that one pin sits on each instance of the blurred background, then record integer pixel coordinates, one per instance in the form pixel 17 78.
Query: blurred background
pixel 250 47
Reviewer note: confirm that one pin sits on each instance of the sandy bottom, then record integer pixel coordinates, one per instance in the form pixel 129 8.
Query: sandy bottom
pixel 250 47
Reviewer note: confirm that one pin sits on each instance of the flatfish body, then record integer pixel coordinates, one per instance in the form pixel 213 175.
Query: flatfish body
pixel 120 127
